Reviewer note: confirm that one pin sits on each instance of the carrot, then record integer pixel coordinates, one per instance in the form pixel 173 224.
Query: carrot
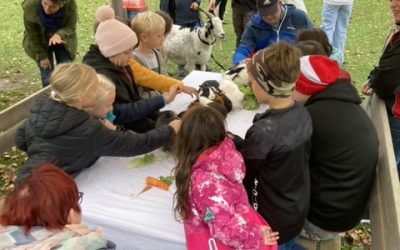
pixel 146 188
pixel 153 182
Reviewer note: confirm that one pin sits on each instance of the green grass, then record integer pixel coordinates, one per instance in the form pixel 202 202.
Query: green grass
pixel 19 75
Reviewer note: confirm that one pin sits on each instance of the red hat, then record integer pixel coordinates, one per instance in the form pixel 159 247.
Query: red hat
pixel 316 73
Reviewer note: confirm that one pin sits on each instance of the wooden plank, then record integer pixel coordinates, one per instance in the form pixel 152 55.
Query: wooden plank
pixel 17 112
pixel 12 117
pixel 385 196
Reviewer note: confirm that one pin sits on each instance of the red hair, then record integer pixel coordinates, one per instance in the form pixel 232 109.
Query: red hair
pixel 44 199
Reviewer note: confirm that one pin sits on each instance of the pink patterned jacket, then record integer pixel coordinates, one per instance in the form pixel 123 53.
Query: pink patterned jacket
pixel 218 201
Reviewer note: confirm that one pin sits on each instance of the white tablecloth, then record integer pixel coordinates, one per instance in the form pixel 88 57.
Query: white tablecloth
pixel 144 222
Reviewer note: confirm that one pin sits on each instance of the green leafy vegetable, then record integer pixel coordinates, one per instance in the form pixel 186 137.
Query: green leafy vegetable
pixel 249 100
pixel 142 161
pixel 167 179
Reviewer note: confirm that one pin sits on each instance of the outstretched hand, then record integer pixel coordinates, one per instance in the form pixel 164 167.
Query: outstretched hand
pixel 55 39
pixel 170 95
pixel 188 90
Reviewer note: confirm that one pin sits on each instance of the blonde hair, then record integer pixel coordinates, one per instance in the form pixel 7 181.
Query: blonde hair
pixel 106 86
pixel 147 22
pixel 70 81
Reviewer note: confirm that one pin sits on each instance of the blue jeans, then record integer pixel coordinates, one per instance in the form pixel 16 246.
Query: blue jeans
pixel 290 245
pixel 61 55
pixel 334 21
pixel 394 124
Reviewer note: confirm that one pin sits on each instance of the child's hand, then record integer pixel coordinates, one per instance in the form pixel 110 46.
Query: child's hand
pixel 188 90
pixel 173 91
pixel 108 124
pixel 175 125
pixel 269 237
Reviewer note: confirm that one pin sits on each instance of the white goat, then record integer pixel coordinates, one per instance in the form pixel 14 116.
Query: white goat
pixel 185 46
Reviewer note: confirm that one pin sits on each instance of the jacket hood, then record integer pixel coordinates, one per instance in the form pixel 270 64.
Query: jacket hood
pixel 50 118
pixel 258 22
pixel 341 90
pixel 222 159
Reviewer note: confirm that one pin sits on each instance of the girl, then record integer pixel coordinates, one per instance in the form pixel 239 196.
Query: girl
pixel 59 130
pixel 44 212
pixel 210 197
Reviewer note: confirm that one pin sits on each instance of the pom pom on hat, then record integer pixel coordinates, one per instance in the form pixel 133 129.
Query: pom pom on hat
pixel 104 13
pixel 317 73
pixel 112 36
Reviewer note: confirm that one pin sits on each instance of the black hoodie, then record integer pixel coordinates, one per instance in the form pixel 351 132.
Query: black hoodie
pixel 344 154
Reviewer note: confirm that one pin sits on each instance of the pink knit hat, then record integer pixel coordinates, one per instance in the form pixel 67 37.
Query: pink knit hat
pixel 317 73
pixel 112 36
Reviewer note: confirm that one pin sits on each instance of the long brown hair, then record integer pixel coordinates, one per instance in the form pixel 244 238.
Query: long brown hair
pixel 202 127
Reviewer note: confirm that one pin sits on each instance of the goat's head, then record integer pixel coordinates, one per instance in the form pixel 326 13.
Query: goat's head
pixel 214 25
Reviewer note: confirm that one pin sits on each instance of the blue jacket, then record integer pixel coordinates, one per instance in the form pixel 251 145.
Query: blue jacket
pixel 180 11
pixel 259 35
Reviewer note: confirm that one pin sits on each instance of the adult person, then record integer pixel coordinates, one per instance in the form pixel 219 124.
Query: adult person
pixel 384 80
pixel 44 212
pixel 50 31
pixel 344 152
pixel 59 130
pixel 335 17
pixel 274 22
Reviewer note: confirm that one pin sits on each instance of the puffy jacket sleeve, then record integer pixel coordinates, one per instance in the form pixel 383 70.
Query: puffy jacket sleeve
pixel 150 79
pixel 225 223
pixel 128 143
pixel 133 111
pixel 20 138
pixel 247 45
pixel 69 27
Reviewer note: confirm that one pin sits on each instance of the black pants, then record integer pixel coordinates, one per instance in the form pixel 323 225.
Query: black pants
pixel 222 6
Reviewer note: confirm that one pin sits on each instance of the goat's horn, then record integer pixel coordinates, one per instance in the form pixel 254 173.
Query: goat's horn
pixel 208 14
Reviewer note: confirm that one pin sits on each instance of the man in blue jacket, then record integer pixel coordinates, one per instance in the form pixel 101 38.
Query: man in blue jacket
pixel 274 22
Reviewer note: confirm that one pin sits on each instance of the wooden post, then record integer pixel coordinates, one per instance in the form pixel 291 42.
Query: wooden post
pixel 385 197
pixel 119 11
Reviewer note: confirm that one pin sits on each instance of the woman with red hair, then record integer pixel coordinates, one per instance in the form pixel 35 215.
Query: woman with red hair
pixel 44 212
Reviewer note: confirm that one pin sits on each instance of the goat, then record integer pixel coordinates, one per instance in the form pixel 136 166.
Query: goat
pixel 186 46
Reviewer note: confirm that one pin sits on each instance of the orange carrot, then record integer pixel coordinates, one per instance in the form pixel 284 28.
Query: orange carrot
pixel 153 182
pixel 146 188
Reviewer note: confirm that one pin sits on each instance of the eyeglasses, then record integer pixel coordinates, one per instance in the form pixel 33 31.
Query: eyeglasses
pixel 80 197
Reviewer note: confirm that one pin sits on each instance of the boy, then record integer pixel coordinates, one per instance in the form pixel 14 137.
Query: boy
pixel 344 150
pixel 276 147
pixel 149 28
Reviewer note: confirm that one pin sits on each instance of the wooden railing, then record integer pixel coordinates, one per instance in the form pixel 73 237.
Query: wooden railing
pixel 12 117
pixel 385 197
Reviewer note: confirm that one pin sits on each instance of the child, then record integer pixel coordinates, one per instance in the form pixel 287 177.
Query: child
pixel 343 150
pixel 103 104
pixel 276 146
pixel 59 130
pixel 319 35
pixel 149 28
pixel 210 197
pixel 44 212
